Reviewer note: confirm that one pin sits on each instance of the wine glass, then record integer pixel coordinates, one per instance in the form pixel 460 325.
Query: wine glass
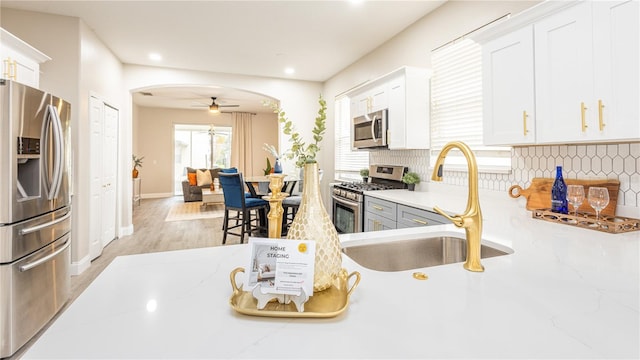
pixel 575 196
pixel 598 199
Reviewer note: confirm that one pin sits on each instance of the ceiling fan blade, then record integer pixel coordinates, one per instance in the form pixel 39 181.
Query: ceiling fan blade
pixel 228 105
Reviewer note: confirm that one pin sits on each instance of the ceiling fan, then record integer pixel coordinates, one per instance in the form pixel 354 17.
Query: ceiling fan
pixel 214 107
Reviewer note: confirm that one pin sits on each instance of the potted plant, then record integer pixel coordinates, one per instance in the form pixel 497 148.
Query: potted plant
pixel 269 169
pixel 411 179
pixel 137 162
pixel 365 175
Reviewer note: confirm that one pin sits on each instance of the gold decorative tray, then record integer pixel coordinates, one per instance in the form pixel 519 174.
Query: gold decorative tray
pixel 327 303
pixel 610 224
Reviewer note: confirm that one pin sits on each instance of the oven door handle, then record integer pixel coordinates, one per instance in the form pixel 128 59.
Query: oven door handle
pixel 39 262
pixel 345 201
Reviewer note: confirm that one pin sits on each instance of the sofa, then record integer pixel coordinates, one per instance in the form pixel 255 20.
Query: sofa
pixel 191 191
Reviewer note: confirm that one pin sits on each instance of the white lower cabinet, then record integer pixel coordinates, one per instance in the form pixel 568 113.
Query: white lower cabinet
pixel 384 215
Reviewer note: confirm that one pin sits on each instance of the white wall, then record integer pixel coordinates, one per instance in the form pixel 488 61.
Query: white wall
pixel 153 139
pixel 297 98
pixel 80 65
pixel 413 47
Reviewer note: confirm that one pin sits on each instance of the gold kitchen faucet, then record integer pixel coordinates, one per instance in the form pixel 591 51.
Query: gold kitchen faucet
pixel 471 219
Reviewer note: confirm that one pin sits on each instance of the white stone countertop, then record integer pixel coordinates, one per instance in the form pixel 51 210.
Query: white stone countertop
pixel 565 292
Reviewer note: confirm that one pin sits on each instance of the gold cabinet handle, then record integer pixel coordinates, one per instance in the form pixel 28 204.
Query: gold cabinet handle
pixel 600 117
pixel 7 68
pixel 421 222
pixel 14 73
pixel 524 122
pixel 377 207
pixel 583 115
pixel 376 225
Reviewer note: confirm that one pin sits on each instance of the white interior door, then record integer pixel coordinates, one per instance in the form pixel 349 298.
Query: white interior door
pixel 96 120
pixel 104 155
pixel 109 174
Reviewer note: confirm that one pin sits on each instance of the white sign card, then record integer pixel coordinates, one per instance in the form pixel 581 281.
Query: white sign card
pixel 281 266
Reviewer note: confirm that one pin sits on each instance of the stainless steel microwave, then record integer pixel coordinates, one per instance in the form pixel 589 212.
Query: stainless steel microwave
pixel 370 130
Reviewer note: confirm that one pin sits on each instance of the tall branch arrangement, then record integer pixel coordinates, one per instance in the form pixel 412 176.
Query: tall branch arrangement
pixel 300 151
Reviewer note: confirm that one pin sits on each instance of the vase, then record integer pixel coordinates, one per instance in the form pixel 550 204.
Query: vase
pixel 312 222
pixel 277 168
pixel 134 173
pixel 411 187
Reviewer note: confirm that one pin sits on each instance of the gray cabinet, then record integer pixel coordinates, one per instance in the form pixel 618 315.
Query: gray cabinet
pixel 408 216
pixel 379 214
pixel 384 215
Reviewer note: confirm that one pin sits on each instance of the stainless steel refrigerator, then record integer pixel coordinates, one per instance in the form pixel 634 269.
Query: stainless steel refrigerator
pixel 35 211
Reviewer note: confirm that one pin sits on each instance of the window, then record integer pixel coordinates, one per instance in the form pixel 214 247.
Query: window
pixel 194 146
pixel 456 107
pixel 347 162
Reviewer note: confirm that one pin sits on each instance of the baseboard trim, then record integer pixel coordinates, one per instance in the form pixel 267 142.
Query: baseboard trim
pixel 79 267
pixel 156 195
pixel 126 231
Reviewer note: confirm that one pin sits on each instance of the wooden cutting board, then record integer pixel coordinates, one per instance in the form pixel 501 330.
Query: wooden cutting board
pixel 539 194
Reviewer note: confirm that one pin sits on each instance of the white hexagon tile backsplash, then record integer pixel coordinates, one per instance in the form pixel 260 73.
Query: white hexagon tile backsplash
pixel 612 161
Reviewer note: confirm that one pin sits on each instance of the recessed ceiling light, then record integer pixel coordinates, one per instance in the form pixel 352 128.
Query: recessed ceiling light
pixel 155 57
pixel 289 70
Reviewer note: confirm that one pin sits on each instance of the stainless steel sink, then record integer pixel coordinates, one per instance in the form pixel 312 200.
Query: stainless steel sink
pixel 415 253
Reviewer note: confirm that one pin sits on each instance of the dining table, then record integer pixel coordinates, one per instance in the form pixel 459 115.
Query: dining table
pixel 258 186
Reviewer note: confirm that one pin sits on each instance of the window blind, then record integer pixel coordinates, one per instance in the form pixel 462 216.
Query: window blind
pixel 456 107
pixel 347 162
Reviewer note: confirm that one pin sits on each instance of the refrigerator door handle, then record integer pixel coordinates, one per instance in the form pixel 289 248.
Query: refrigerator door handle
pixel 39 262
pixel 45 225
pixel 58 155
pixel 44 148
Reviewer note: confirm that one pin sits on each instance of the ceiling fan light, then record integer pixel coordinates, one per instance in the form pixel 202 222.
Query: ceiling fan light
pixel 214 108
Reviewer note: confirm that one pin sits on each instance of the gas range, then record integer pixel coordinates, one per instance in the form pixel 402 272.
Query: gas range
pixel 382 177
pixel 348 198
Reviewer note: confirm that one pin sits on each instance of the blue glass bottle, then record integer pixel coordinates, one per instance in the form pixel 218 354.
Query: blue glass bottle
pixel 559 203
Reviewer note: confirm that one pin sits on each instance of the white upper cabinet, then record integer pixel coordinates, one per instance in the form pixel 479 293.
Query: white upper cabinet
pixel 508 87
pixel 405 93
pixel 583 59
pixel 369 101
pixel 563 73
pixel 20 61
pixel 408 116
pixel 616 41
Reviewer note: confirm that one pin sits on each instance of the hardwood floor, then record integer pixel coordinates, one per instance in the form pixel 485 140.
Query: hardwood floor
pixel 151 234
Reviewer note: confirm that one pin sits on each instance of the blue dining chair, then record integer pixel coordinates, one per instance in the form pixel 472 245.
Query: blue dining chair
pixel 235 200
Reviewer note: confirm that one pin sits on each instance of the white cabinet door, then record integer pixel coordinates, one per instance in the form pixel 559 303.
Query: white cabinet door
pixel 20 68
pixel 360 105
pixel 616 39
pixel 564 75
pixel 379 98
pixel 408 116
pixel 20 61
pixel 369 101
pixel 397 114
pixel 508 89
